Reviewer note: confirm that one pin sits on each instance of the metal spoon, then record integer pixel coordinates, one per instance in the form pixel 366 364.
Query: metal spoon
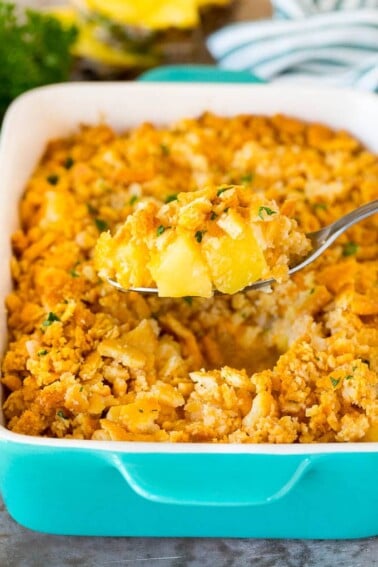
pixel 321 240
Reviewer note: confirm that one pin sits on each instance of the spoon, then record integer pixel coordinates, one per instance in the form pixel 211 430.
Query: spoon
pixel 320 240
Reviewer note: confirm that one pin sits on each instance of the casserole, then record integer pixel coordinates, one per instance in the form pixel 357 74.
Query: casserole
pixel 146 489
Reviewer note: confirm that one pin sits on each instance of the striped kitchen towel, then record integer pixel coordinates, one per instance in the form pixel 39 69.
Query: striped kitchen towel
pixel 308 41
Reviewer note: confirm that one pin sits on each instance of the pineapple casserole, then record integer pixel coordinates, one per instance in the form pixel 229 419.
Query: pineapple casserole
pixel 295 364
pixel 222 238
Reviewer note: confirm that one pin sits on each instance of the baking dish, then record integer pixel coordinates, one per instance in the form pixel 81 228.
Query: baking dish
pixel 146 489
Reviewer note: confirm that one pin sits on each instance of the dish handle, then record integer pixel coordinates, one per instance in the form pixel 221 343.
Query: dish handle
pixel 241 480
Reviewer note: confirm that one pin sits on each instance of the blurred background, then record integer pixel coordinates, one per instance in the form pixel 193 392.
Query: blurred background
pixel 330 42
pixel 50 41
pixel 121 38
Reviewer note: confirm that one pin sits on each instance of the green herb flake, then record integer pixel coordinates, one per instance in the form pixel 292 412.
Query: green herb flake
pixel 42 352
pixel 267 210
pixel 350 248
pixel 199 235
pixel 81 389
pixel 213 215
pixel 160 229
pixel 52 179
pixel 223 189
pixel 68 163
pixel 312 291
pixel 334 381
pixel 165 150
pixel 133 200
pixel 188 300
pixel 247 178
pixel 171 198
pixel 51 318
pixel 73 273
pixel 91 209
pixel 349 377
pixel 61 414
pixel 101 224
pixel 320 206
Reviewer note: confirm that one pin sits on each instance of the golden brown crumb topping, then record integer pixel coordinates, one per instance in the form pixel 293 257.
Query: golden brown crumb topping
pixel 298 364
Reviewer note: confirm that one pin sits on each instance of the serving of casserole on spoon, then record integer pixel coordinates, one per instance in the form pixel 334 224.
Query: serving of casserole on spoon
pixel 214 240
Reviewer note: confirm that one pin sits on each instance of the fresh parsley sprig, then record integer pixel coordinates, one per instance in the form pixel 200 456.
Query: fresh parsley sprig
pixel 34 51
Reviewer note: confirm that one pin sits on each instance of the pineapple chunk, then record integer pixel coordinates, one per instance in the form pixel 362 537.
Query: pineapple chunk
pixel 234 263
pixel 179 269
pixel 131 260
pixel 123 261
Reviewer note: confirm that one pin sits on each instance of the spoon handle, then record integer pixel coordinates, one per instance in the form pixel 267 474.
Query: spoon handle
pixel 357 215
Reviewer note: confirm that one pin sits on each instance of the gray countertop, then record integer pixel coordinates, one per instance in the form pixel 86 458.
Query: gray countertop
pixel 20 547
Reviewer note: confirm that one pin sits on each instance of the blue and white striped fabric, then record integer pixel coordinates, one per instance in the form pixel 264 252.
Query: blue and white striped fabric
pixel 308 41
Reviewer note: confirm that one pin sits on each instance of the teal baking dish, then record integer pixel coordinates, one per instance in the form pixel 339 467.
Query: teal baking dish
pixel 195 490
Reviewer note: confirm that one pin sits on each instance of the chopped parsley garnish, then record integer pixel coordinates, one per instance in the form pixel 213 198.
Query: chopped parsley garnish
pixel 133 200
pixel 334 381
pixel 91 209
pixel 349 376
pixel 320 206
pixel 247 178
pixel 188 300
pixel 267 210
pixel 312 290
pixel 220 191
pixel 165 150
pixel 61 414
pixel 350 248
pixel 73 273
pixel 171 198
pixel 68 163
pixel 199 235
pixel 42 352
pixel 101 224
pixel 51 318
pixel 160 229
pixel 213 215
pixel 52 179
